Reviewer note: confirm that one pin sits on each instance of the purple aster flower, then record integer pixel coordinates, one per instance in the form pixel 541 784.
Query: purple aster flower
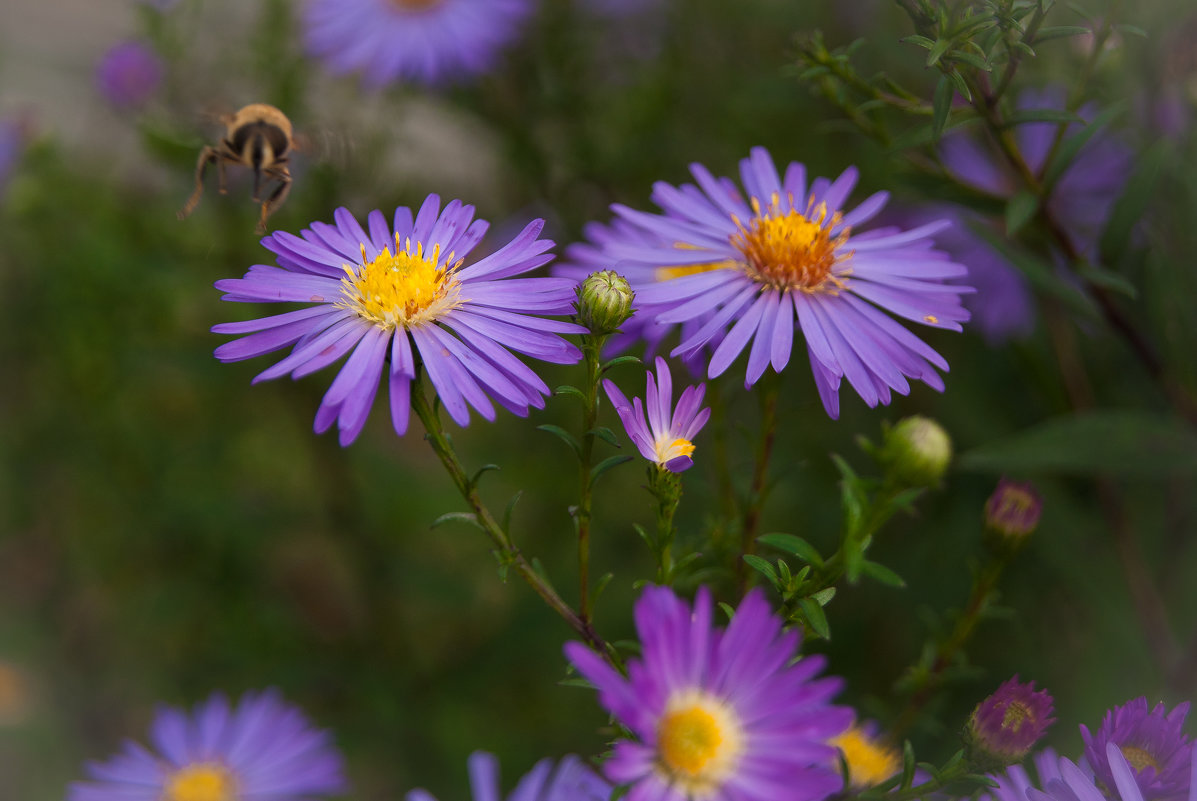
pixel 568 780
pixel 261 748
pixel 379 292
pixel 129 74
pixel 1153 743
pixel 1085 192
pixel 1061 779
pixel 788 257
pixel 1014 509
pixel 718 714
pixel 1006 725
pixel 664 436
pixel 870 758
pixel 425 41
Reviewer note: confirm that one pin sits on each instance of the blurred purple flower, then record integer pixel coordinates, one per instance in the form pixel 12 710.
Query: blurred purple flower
pixel 261 748
pixel 568 780
pixel 1061 779
pixel 752 269
pixel 718 714
pixel 424 41
pixel 1152 741
pixel 400 285
pixel 666 435
pixel 129 74
pixel 14 133
pixel 1006 725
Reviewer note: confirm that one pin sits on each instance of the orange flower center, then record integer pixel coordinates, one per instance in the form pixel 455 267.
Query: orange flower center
pixel 786 249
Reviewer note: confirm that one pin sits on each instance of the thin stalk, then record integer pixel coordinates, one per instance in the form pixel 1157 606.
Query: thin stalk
pixel 509 555
pixel 591 347
pixel 760 473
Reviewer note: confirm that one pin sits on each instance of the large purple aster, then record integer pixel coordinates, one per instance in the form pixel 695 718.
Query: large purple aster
pixel 380 292
pixel 568 780
pixel 1152 741
pixel 262 748
pixel 718 715
pixel 781 256
pixel 425 41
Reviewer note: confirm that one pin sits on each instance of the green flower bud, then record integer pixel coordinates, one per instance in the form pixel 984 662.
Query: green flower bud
pixel 916 452
pixel 604 302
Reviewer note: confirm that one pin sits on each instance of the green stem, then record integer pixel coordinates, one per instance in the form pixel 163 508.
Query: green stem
pixel 591 347
pixel 509 555
pixel 666 487
pixel 759 489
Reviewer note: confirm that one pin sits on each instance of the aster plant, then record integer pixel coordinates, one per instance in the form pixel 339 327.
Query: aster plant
pixel 1151 742
pixel 402 292
pixel 262 747
pixel 717 713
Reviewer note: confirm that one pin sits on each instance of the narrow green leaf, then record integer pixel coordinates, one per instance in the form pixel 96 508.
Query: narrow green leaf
pixel 942 105
pixel 1132 444
pixel 1108 279
pixel 1070 146
pixel 764 568
pixel 599 586
pixel 509 510
pixel 1132 30
pixel 606 435
pixel 727 610
pixel 1060 31
pixel 566 389
pixel 563 435
pixel 815 618
pixel 618 360
pixel 457 517
pixel 478 473
pixel 607 464
pixel 645 536
pixel 921 41
pixel 1029 115
pixel 881 573
pixel 971 59
pixel 908 765
pixel 824 596
pixel 937 51
pixel 1019 210
pixel 793 545
pixel 1134 200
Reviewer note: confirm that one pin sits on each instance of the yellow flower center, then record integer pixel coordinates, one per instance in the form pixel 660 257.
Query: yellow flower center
pixel 1139 758
pixel 201 782
pixel 699 740
pixel 401 290
pixel 869 761
pixel 790 250
pixel 670 449
pixel 1016 715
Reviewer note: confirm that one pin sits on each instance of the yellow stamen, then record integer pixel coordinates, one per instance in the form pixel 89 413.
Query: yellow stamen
pixel 401 290
pixel 869 761
pixel 1139 758
pixel 787 249
pixel 699 741
pixel 1016 715
pixel 669 449
pixel 201 782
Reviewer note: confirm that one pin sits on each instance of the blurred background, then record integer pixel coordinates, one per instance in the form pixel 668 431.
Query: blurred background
pixel 166 529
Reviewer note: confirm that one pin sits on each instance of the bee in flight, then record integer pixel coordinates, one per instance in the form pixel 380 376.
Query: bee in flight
pixel 258 136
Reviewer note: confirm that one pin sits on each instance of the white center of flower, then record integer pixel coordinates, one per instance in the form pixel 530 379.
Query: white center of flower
pixel 699 740
pixel 669 448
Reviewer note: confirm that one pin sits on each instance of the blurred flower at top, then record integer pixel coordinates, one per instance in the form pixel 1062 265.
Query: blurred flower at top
pixel 718 714
pixel 568 780
pixel 754 267
pixel 129 74
pixel 14 134
pixel 665 436
pixel 403 290
pixel 1153 743
pixel 870 759
pixel 1084 194
pixel 260 748
pixel 428 42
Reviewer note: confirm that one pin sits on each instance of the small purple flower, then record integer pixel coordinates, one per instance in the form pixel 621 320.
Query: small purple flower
pixel 1005 726
pixel 1014 508
pixel 425 41
pixel 1152 742
pixel 404 291
pixel 752 268
pixel 261 748
pixel 1061 779
pixel 129 74
pixel 664 436
pixel 718 714
pixel 568 780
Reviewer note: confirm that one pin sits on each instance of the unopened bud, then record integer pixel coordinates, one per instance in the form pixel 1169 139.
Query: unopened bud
pixel 1005 726
pixel 1012 511
pixel 916 451
pixel 604 302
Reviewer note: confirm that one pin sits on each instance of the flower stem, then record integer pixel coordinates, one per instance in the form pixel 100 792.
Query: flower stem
pixel 666 487
pixel 759 489
pixel 508 554
pixel 591 348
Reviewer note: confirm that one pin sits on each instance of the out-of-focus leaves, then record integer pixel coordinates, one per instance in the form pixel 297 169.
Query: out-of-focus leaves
pixel 1060 31
pixel 1128 443
pixel 816 618
pixel 1131 204
pixel 1019 210
pixel 1071 146
pixel 1029 115
pixel 942 104
pixel 794 545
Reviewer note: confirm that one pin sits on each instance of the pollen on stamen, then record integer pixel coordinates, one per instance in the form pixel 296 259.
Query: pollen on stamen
pixel 787 249
pixel 400 290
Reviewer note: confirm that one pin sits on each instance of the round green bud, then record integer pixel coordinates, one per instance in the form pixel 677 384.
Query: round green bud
pixel 604 302
pixel 916 452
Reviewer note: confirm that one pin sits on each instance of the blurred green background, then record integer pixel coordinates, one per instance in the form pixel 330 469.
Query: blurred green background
pixel 166 529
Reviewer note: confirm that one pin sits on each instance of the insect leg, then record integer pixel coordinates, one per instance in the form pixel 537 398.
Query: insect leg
pixel 206 156
pixel 271 204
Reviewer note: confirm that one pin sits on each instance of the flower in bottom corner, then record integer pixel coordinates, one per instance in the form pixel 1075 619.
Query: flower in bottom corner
pixel 567 780
pixel 260 748
pixel 665 436
pixel 403 293
pixel 1061 779
pixel 1153 743
pixel 719 714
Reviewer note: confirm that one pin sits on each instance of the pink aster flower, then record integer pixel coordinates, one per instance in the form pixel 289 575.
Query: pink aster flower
pixel 748 269
pixel 403 292
pixel 718 714
pixel 664 436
